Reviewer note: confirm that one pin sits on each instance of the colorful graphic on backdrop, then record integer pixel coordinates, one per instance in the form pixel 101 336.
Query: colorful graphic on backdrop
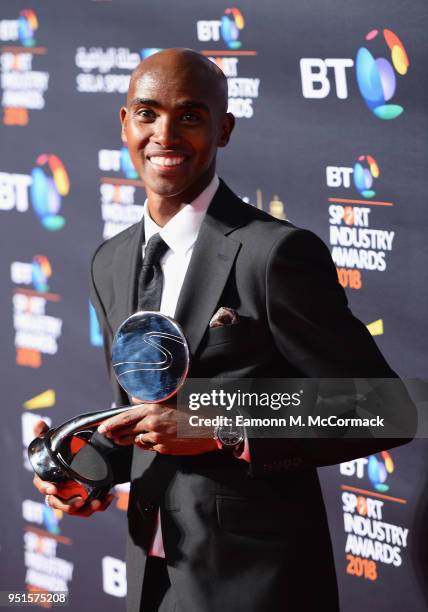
pixel 41 271
pixel 36 332
pixel 231 24
pixel 44 188
pixel 45 569
pixel 355 245
pixel 23 88
pixel 376 328
pixel 372 541
pixel 366 170
pixel 45 399
pixel 376 77
pixel 378 469
pixel 242 91
pixel 126 164
pixel 50 183
pixel 27 25
pixel 119 194
pixel 95 336
pixel 148 51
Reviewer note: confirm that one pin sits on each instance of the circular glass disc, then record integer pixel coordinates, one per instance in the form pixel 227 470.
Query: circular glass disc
pixel 150 356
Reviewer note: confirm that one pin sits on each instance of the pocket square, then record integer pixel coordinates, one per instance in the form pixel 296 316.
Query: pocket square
pixel 224 316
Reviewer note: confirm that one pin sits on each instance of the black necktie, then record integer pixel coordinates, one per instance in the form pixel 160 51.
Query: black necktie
pixel 150 282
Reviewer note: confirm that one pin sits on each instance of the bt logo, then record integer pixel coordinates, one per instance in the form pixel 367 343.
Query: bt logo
pixel 41 272
pixel 231 23
pixel 375 77
pixel 365 171
pixel 378 470
pixel 21 29
pixel 50 183
pixel 36 273
pixel 315 82
pixel 113 160
pixel 27 24
pixel 229 27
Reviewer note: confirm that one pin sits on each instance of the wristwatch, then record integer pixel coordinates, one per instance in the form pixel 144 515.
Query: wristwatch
pixel 229 437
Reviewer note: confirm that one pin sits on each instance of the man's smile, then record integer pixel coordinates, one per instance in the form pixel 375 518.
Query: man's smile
pixel 166 161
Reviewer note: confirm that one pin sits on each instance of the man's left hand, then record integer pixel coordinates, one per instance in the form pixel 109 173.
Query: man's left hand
pixel 154 427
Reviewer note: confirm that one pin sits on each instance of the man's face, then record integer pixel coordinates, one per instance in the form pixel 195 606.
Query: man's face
pixel 173 125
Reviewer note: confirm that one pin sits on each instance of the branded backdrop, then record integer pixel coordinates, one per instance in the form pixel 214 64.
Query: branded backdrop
pixel 331 134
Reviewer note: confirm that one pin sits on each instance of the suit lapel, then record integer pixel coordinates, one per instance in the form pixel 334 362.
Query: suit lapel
pixel 126 263
pixel 210 265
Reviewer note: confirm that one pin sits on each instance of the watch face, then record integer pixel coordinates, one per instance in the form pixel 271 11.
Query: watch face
pixel 231 435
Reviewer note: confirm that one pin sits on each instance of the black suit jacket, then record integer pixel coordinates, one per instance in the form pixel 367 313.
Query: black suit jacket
pixel 239 537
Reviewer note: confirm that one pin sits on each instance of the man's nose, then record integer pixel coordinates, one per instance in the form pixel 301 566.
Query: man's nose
pixel 166 133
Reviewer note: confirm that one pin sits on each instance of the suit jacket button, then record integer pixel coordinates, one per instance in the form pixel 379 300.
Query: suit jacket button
pixel 149 509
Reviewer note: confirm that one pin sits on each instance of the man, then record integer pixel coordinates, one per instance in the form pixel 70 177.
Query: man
pixel 212 529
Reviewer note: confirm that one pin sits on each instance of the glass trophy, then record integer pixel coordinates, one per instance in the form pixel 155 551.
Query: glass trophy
pixel 150 359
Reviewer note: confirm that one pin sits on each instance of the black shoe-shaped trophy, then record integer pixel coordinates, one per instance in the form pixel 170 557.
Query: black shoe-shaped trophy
pixel 150 358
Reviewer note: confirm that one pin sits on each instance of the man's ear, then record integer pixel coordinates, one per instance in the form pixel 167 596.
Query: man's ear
pixel 227 125
pixel 123 115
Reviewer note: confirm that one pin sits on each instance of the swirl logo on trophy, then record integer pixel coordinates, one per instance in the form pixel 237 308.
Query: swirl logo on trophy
pixel 150 358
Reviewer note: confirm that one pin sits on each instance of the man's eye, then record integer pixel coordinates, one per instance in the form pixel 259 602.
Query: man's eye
pixel 145 113
pixel 190 117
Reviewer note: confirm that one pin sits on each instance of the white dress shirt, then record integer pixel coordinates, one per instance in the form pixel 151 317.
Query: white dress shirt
pixel 180 234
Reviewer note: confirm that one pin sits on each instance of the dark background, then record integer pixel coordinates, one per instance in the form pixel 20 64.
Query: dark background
pixel 282 150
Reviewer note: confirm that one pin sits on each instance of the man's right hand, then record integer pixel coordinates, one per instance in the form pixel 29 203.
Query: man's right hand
pixel 52 492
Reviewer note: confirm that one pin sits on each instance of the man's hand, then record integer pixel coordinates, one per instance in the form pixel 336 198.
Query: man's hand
pixel 154 427
pixel 63 497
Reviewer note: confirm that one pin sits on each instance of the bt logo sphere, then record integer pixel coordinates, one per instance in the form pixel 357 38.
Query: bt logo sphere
pixel 376 77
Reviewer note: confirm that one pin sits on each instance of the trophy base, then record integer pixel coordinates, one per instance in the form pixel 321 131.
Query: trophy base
pixel 79 469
